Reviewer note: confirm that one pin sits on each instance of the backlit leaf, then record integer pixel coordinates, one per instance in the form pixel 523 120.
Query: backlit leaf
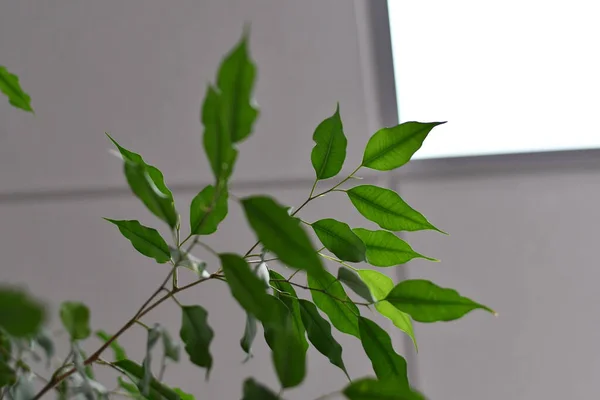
pixel 384 249
pixel 197 335
pixel 9 85
pixel 338 238
pixel 355 282
pixel 20 315
pixel 255 391
pixel 387 209
pixel 76 319
pixel 372 389
pixel 144 239
pixel 158 390
pixel 208 210
pixel 118 351
pixel 390 148
pixel 329 152
pixel 424 301
pixel 291 302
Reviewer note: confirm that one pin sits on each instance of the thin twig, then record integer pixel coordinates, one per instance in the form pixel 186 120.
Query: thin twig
pixel 321 291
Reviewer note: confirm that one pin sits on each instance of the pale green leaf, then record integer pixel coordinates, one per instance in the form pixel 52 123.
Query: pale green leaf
pixel 118 351
pixel 9 85
pixel 329 152
pixel 144 239
pixel 197 335
pixel 372 389
pixel 338 238
pixel 183 395
pixel 207 210
pixel 20 315
pixel 255 391
pixel 76 319
pixel 384 249
pixel 400 319
pixel 355 282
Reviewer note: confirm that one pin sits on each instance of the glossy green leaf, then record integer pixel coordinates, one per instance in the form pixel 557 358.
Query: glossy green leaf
pixel 148 184
pixel 9 85
pixel 387 364
pixel 170 346
pixel 7 374
pixel 197 335
pixel 355 282
pixel 217 141
pixel 249 335
pixel 281 234
pixel 20 315
pixel 342 312
pixel 384 249
pixel 372 389
pixel 387 209
pixel 329 152
pixel 424 301
pixel 319 334
pixel 338 238
pixel 236 81
pixel 208 210
pixel 380 285
pixel 255 391
pixel 390 148
pixel 118 351
pixel 76 319
pixel 158 390
pixel 145 240
pixel 286 293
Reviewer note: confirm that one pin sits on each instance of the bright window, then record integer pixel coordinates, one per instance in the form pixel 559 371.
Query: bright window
pixel 509 76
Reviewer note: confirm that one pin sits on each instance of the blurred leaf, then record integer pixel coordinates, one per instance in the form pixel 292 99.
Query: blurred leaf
pixel 157 389
pixel 424 301
pixel 341 311
pixel 329 152
pixel 183 395
pixel 380 286
pixel 171 347
pixel 355 282
pixel 384 249
pixel 9 85
pixel 145 240
pixel 22 390
pixel 197 335
pixel 81 381
pixel 319 334
pixel 207 211
pixel 130 388
pixel 255 391
pixel 291 302
pixel 87 369
pixel 236 80
pixel 281 234
pixel 118 351
pixel 371 389
pixel 338 238
pixel 44 340
pixel 249 335
pixel 148 184
pixel 5 347
pixel 217 141
pixel 154 335
pixel 7 374
pixel 387 364
pixel 391 148
pixel 387 209
pixel 20 315
pixel 76 319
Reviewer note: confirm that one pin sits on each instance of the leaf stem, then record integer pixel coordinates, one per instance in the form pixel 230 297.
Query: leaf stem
pixel 337 260
pixel 320 290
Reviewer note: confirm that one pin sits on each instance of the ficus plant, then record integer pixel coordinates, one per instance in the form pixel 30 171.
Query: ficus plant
pixel 291 323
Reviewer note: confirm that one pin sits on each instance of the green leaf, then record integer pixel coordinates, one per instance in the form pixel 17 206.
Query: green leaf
pixel 338 238
pixel 217 141
pixel 5 347
pixel 44 340
pixel 319 334
pixel 130 388
pixel 76 319
pixel 424 301
pixel 148 184
pixel 22 390
pixel 282 234
pixel 207 211
pixel 170 346
pixel 9 85
pixel 236 80
pixel 249 335
pixel 391 148
pixel 371 389
pixel 329 152
pixel 387 364
pixel 355 282
pixel 291 302
pixel 118 351
pixel 7 374
pixel 157 389
pixel 387 209
pixel 183 395
pixel 342 312
pixel 196 334
pixel 380 285
pixel 20 315
pixel 255 391
pixel 145 240
pixel 384 249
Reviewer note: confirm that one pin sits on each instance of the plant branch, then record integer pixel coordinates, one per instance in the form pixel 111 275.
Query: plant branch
pixel 321 291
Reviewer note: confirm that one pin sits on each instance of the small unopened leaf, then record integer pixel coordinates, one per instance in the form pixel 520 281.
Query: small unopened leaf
pixel 342 312
pixel 329 152
pixel 319 334
pixel 145 240
pixel 384 249
pixel 249 335
pixel 10 86
pixel 76 319
pixel 387 364
pixel 158 390
pixel 425 301
pixel 338 238
pixel 5 347
pixel 255 391
pixel 372 389
pixel 20 315
pixel 118 351
pixel 197 335
pixel 355 282
pixel 390 148
pixel 207 210
pixel 387 209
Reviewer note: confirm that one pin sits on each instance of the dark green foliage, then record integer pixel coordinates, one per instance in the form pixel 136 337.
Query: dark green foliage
pixel 20 315
pixel 338 238
pixel 372 389
pixel 196 334
pixel 207 210
pixel 255 391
